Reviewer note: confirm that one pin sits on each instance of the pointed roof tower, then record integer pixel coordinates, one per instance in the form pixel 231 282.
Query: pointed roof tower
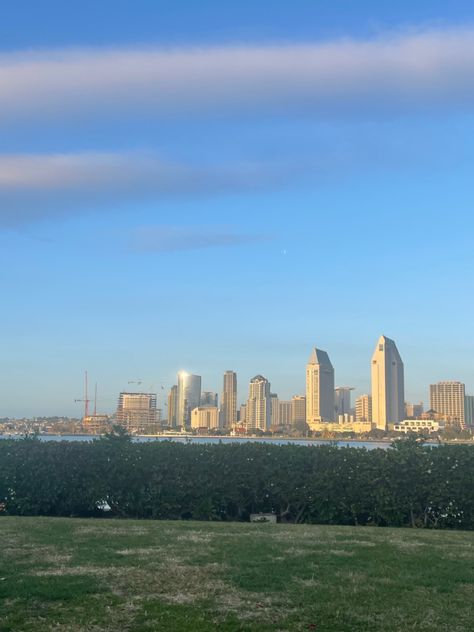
pixel 319 357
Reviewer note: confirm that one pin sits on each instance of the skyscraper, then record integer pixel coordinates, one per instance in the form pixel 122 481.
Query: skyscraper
pixel 173 406
pixel 448 400
pixel 319 388
pixel 189 397
pixel 275 410
pixel 469 410
pixel 259 405
pixel 137 412
pixel 388 388
pixel 229 400
pixel 342 400
pixel 363 407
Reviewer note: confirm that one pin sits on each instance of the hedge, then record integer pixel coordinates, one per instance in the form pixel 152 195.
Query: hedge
pixel 406 485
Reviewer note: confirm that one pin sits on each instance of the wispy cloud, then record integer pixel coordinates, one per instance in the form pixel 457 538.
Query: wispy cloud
pixel 161 239
pixel 35 187
pixel 411 71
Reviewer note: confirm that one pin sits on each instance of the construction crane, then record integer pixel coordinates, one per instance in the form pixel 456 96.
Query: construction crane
pixel 85 398
pixel 95 400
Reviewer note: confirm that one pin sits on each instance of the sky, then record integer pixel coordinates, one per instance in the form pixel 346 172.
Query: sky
pixel 207 186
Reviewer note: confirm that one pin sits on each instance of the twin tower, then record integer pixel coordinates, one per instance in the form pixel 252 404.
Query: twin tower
pixel 388 390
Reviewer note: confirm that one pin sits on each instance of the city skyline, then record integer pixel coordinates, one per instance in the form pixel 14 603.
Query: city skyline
pixel 164 391
pixel 176 401
pixel 224 186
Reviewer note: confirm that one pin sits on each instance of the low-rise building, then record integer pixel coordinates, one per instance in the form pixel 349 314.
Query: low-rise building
pixel 96 424
pixel 358 427
pixel 417 425
pixel 205 418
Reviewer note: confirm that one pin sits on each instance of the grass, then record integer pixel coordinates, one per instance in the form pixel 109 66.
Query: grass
pixel 75 575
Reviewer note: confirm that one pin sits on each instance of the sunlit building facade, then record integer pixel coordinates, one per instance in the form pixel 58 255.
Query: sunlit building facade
pixel 388 386
pixel 189 397
pixel 259 404
pixel 205 418
pixel 447 399
pixel 298 410
pixel 363 408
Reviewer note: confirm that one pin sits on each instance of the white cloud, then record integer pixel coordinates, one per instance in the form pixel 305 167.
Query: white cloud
pixel 35 186
pixel 418 70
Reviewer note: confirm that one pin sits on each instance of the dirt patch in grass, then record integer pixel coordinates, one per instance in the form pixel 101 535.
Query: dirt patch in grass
pixel 144 552
pixel 29 553
pixel 356 543
pixel 307 583
pixel 196 537
pixel 406 544
pixel 110 531
pixel 63 571
pixel 341 552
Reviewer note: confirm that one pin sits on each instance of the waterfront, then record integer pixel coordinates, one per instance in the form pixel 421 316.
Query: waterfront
pixel 370 445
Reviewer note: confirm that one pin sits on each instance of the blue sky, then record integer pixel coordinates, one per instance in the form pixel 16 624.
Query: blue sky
pixel 205 186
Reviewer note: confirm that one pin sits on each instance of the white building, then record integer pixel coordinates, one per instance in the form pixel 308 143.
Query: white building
pixel 388 388
pixel 417 425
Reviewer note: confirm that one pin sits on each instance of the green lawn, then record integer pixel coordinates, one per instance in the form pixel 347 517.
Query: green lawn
pixel 92 575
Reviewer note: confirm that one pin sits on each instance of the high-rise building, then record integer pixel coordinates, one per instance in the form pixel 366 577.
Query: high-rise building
pixel 319 388
pixel 137 412
pixel 284 413
pixel 388 387
pixel 342 400
pixel 298 409
pixel 413 411
pixel 259 405
pixel 243 414
pixel 447 400
pixel 469 410
pixel 275 410
pixel 229 400
pixel 205 418
pixel 208 398
pixel 173 406
pixel 363 406
pixel 189 397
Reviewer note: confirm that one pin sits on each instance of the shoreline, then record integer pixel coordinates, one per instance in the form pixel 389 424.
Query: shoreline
pixel 229 438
